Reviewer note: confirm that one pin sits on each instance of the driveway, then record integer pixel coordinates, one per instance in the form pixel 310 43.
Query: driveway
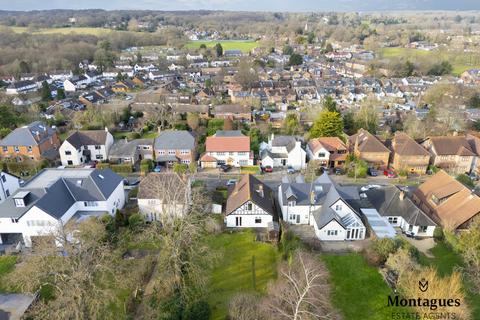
pixel 423 245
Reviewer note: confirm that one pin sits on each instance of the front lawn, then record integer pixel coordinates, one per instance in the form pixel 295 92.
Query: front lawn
pixel 233 273
pixel 358 290
pixel 7 263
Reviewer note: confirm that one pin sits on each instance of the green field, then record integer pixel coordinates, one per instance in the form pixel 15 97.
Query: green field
pixel 358 290
pixel 75 30
pixel 233 273
pixel 460 61
pixel 246 45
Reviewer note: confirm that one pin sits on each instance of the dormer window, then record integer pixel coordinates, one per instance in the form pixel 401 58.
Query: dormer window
pixel 292 203
pixel 20 199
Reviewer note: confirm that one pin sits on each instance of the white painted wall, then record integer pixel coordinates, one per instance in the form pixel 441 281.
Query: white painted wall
pixel 8 185
pixel 238 158
pixel 332 226
pixel 248 217
pixel 316 155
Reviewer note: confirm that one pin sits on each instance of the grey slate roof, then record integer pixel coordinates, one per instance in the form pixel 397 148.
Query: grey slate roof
pixel 301 192
pixel 388 203
pixel 123 148
pixel 56 190
pixel 284 141
pixel 229 133
pixel 25 136
pixel 174 140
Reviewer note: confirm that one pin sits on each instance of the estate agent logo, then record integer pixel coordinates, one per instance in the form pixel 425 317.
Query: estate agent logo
pixel 423 285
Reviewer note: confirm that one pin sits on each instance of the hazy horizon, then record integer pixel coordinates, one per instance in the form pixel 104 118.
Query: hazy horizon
pixel 245 5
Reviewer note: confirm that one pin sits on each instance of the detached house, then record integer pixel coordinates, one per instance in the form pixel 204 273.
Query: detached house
pixel 227 147
pixel 164 196
pixel 24 86
pixel 282 151
pixel 35 141
pixel 394 205
pixel 250 204
pixel 175 147
pixel 85 146
pixel 452 154
pixel 369 148
pixel 56 196
pixel 408 154
pixel 320 204
pixel 233 112
pixel 331 152
pixel 447 201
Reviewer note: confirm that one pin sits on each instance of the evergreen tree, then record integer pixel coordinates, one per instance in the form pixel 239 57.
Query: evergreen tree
pixel 328 124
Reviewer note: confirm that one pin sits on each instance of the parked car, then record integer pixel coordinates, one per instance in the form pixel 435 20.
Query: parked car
pixel 372 172
pixel 267 169
pixel 339 171
pixel 390 173
pixel 225 167
pixel 290 170
pixel 157 169
pixel 231 182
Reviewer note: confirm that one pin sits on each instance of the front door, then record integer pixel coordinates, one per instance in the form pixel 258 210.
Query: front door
pixel 298 218
pixel 238 221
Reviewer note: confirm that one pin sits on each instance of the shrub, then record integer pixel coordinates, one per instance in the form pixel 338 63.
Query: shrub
pixel 289 242
pixel 103 165
pixel 121 168
pixel 384 247
pixel 438 234
pixel 135 221
pixel 199 310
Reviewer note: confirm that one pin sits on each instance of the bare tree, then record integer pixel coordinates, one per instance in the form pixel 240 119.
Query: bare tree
pixel 301 292
pixel 244 306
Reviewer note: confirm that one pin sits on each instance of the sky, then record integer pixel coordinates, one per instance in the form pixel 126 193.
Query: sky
pixel 244 5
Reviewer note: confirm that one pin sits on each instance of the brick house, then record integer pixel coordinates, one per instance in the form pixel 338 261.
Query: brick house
pixel 36 141
pixel 233 112
pixel 453 154
pixel 330 151
pixel 369 148
pixel 408 155
pixel 175 147
pixel 227 147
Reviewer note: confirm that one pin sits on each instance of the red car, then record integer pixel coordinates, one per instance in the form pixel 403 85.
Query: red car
pixel 390 173
pixel 267 169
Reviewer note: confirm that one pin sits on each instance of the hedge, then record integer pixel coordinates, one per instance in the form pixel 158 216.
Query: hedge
pixel 118 168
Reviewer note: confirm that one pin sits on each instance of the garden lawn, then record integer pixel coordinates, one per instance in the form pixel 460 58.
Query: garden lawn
pixel 358 290
pixel 244 45
pixel 233 273
pixel 445 260
pixel 7 263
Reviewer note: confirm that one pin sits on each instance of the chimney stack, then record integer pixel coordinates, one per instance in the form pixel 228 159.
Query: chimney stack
pixel 402 195
pixel 260 190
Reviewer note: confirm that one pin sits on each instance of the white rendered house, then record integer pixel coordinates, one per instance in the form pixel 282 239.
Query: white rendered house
pixel 56 196
pixel 8 185
pixel 164 196
pixel 81 147
pixel 249 204
pixel 283 151
pixel 227 147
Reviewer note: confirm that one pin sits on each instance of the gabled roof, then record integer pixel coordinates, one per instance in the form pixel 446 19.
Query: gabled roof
pixel 248 189
pixel 403 145
pixel 329 143
pixel 174 140
pixel 367 142
pixel 389 202
pixel 231 108
pixel 228 141
pixel 449 203
pixel 288 142
pixel 55 190
pixel 87 138
pixel 454 145
pixel 33 134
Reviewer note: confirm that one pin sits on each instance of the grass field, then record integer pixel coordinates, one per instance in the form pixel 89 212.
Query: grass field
pixel 87 31
pixel 7 263
pixel 358 290
pixel 246 46
pixel 234 274
pixel 460 61
pixel 445 260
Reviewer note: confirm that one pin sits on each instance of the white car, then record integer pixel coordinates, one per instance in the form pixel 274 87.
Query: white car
pixel 370 186
pixel 231 182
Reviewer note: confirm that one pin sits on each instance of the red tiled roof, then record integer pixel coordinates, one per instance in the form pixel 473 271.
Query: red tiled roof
pixel 228 144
